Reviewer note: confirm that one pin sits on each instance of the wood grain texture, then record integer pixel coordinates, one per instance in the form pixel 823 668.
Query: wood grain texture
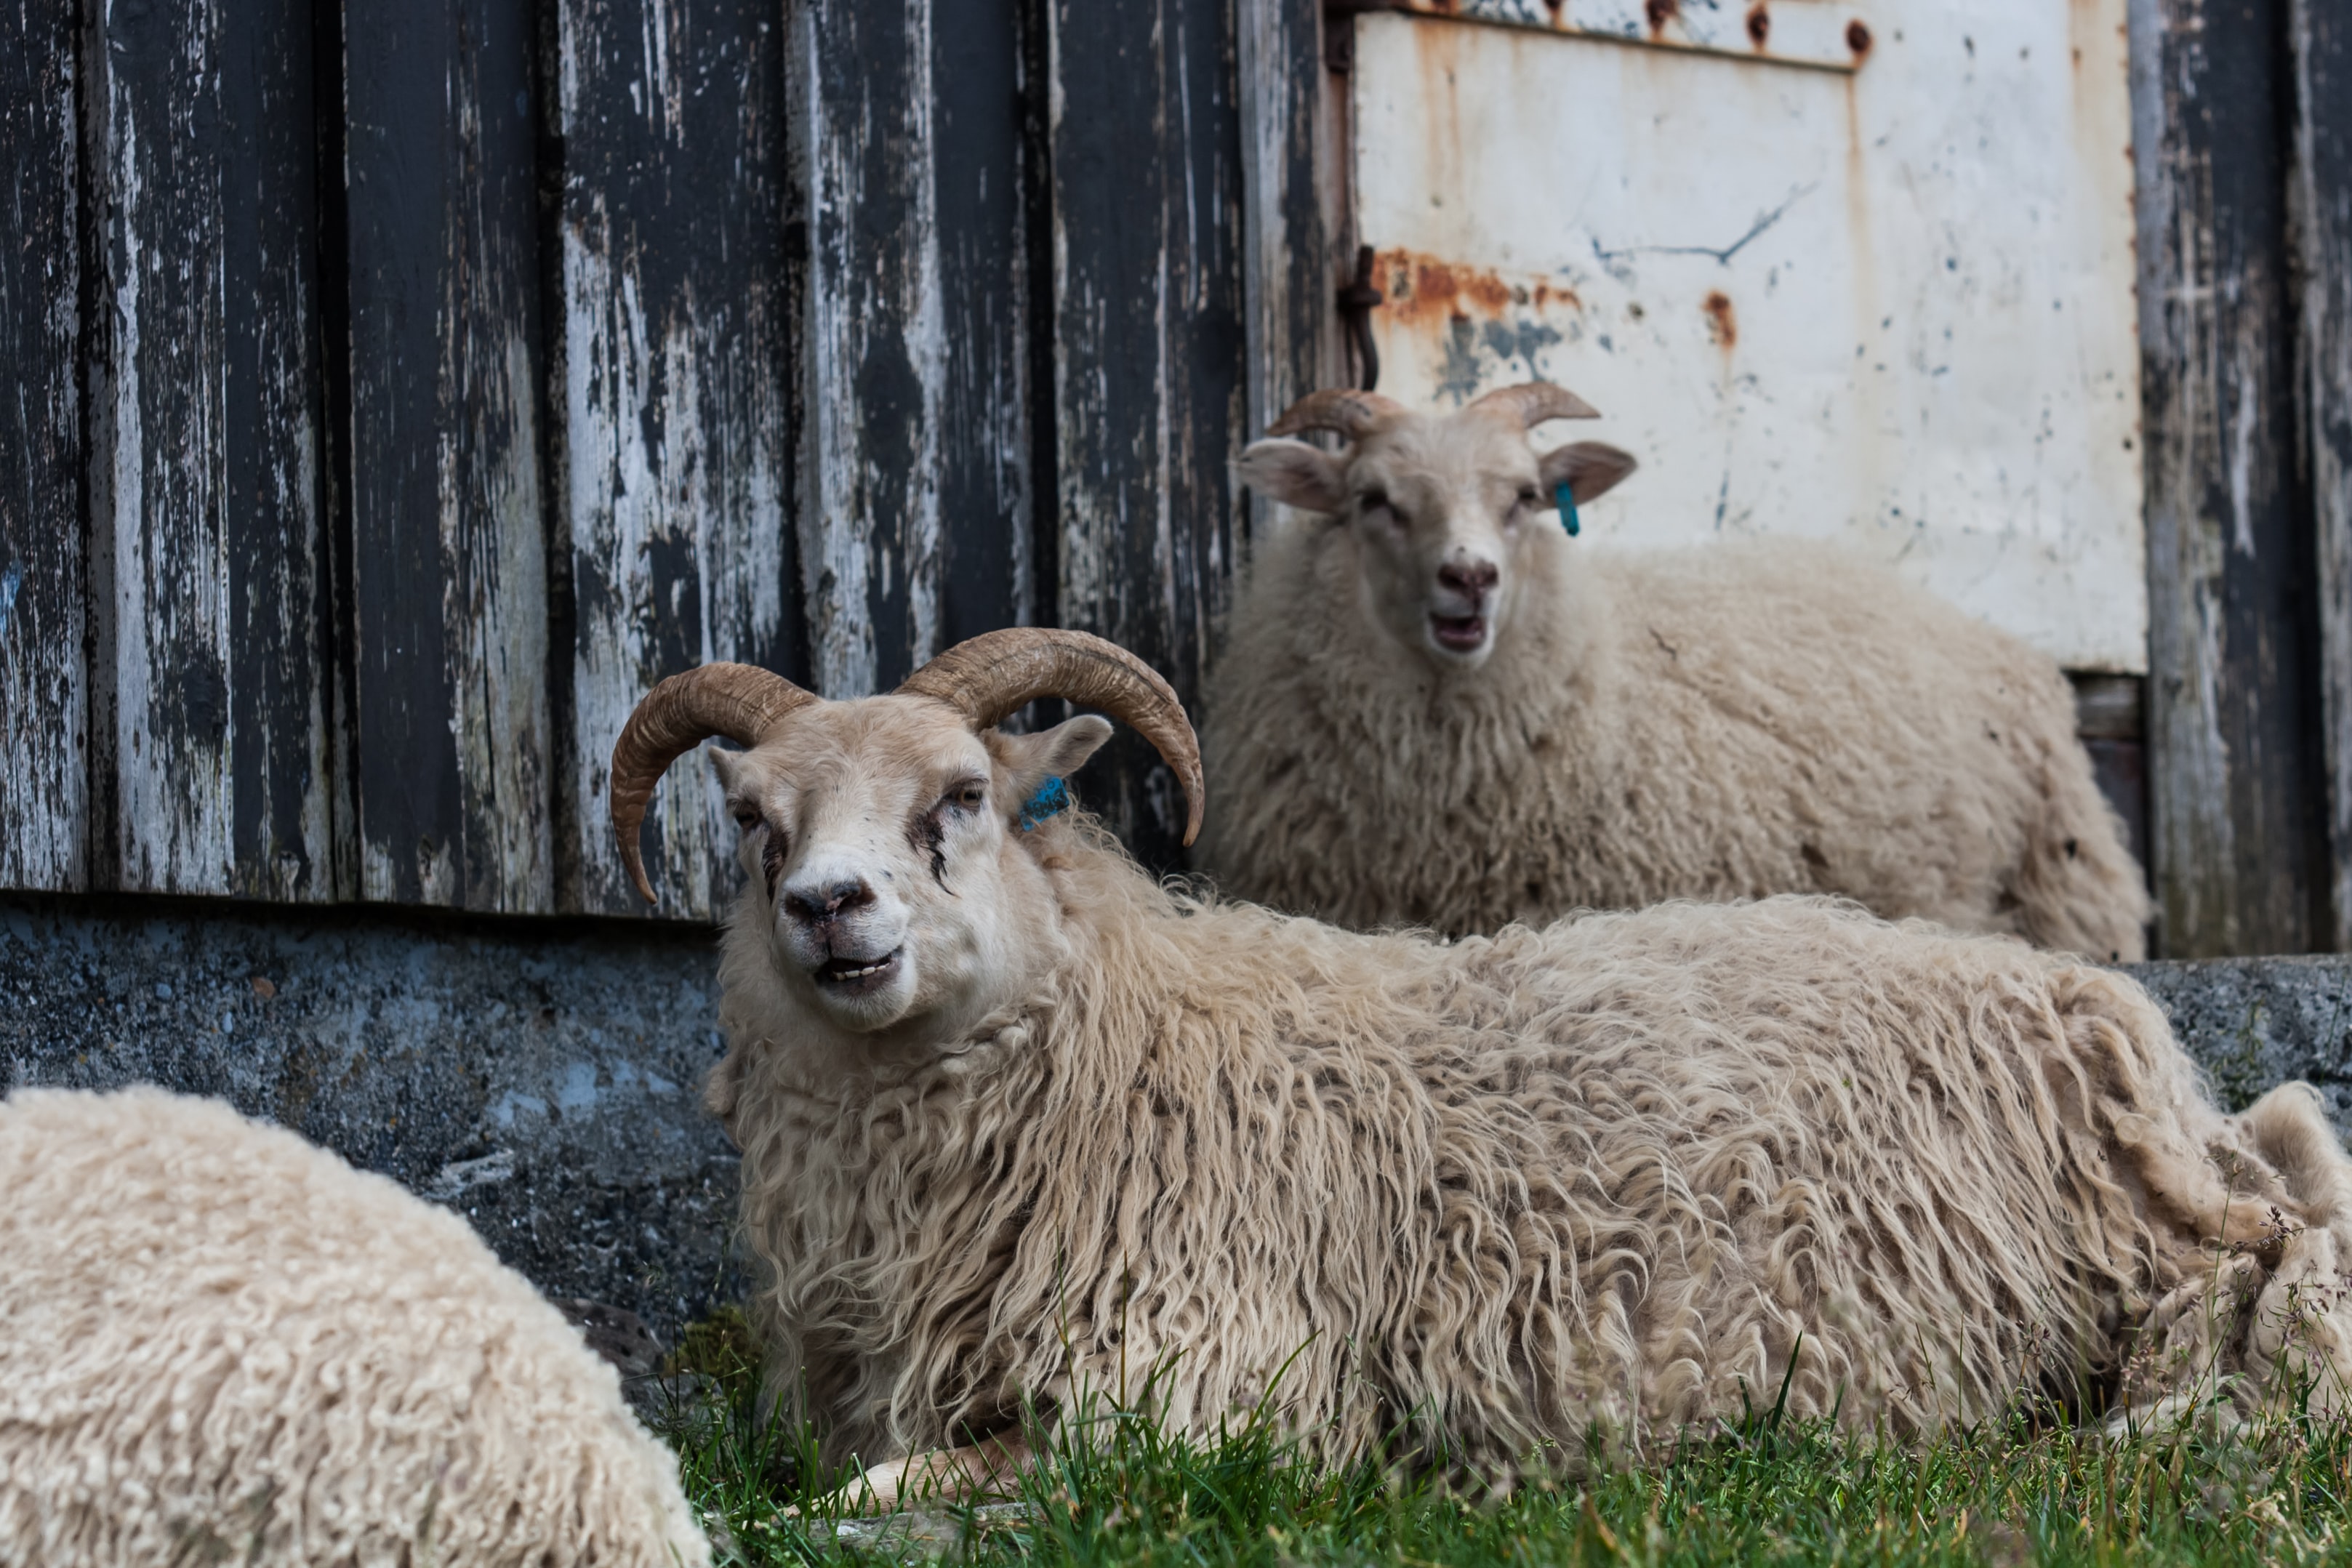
pixel 1148 395
pixel 1290 270
pixel 984 169
pixel 2322 41
pixel 2235 788
pixel 210 436
pixel 677 347
pixel 873 350
pixel 44 700
pixel 448 541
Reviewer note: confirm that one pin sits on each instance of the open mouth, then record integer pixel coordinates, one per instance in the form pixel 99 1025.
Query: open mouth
pixel 1459 633
pixel 856 977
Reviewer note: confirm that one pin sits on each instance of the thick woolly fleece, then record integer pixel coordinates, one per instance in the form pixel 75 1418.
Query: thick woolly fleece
pixel 221 1344
pixel 1724 723
pixel 1507 1191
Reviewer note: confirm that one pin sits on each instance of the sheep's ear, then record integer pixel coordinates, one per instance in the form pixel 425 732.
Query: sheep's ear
pixel 1294 474
pixel 1056 753
pixel 1588 468
pixel 725 764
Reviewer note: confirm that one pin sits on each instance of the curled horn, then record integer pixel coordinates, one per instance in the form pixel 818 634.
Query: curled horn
pixel 992 676
pixel 738 700
pixel 1533 403
pixel 1351 413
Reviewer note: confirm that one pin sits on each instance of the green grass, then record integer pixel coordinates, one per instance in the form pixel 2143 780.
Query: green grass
pixel 1767 1492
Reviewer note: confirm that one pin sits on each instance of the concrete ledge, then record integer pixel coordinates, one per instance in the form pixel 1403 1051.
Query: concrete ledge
pixel 540 1077
pixel 2257 1022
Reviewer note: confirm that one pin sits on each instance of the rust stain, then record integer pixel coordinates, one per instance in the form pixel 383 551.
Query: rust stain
pixel 1857 38
pixel 1759 26
pixel 1426 291
pixel 1722 322
pixel 1660 13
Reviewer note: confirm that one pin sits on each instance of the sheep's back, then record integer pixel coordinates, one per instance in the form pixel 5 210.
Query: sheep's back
pixel 216 1340
pixel 1730 1125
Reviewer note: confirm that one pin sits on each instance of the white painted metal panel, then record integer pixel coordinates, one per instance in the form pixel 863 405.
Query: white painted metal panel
pixel 1887 301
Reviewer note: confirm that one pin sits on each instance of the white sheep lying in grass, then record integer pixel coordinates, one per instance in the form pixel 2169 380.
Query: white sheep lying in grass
pixel 1018 1123
pixel 1435 709
pixel 221 1344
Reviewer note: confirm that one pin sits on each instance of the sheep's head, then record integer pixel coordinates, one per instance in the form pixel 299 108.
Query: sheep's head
pixel 1441 508
pixel 881 836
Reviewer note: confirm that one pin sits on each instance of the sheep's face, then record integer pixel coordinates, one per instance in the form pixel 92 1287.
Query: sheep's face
pixel 884 875
pixel 1441 512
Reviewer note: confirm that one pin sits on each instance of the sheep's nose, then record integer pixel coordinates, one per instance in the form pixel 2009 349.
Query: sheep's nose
pixel 826 901
pixel 1473 577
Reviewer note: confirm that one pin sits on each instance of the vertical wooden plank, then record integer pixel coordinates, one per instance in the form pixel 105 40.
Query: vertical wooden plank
pixel 676 349
pixel 988 502
pixel 448 541
pixel 1290 270
pixel 210 439
pixel 44 703
pixel 874 350
pixel 2235 786
pixel 1149 383
pixel 2322 36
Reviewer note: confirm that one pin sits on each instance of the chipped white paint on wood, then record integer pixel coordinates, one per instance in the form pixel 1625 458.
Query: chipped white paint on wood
pixel 208 433
pixel 673 406
pixel 2321 37
pixel 1891 305
pixel 874 358
pixel 44 696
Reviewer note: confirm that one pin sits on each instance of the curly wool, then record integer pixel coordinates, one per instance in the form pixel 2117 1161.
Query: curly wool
pixel 218 1342
pixel 1727 723
pixel 1508 1191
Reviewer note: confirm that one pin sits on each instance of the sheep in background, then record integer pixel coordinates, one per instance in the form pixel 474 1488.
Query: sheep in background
pixel 219 1344
pixel 1018 1123
pixel 1434 708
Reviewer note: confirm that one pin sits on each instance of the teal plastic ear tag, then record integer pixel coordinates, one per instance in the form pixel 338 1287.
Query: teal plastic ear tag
pixel 1567 499
pixel 1051 799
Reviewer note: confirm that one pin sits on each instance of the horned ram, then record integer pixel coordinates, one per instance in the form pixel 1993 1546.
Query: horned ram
pixel 1436 708
pixel 1018 1122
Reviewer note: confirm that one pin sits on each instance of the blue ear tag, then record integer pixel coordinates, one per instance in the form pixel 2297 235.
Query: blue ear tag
pixel 1050 800
pixel 1567 499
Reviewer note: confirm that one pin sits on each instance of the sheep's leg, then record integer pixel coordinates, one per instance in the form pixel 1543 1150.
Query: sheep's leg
pixel 938 1475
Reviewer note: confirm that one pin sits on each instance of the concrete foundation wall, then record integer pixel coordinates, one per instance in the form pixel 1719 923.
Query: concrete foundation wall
pixel 542 1078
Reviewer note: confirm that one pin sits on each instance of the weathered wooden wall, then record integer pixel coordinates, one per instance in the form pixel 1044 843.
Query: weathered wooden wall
pixel 404 389
pixel 43 695
pixel 2237 752
pixel 2321 34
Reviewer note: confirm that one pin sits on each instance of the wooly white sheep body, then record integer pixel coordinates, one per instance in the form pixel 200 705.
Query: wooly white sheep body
pixel 1727 722
pixel 1020 1125
pixel 219 1344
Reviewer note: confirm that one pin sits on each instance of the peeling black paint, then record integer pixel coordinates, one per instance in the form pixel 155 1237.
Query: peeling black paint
pixel 1150 392
pixel 2236 788
pixel 43 692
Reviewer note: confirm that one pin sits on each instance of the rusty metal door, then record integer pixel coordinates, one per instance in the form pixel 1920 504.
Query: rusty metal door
pixel 1860 271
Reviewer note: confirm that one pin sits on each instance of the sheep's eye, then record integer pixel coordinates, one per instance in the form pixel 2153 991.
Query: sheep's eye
pixel 747 817
pixel 970 795
pixel 1372 500
pixel 1527 497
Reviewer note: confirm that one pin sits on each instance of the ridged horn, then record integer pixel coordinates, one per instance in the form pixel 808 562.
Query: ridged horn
pixel 993 676
pixel 1533 403
pixel 1349 412
pixel 740 701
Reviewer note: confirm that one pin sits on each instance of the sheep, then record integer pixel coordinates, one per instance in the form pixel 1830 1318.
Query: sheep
pixel 220 1343
pixel 1434 708
pixel 1020 1124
